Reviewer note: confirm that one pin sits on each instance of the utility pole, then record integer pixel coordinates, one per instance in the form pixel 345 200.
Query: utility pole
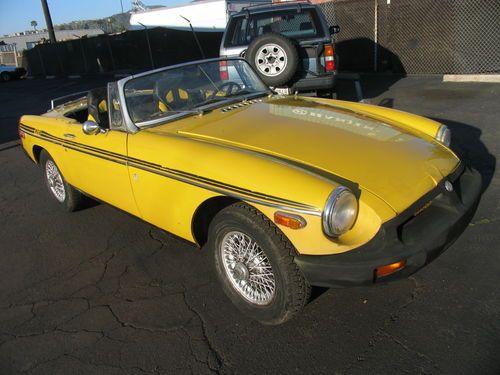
pixel 48 21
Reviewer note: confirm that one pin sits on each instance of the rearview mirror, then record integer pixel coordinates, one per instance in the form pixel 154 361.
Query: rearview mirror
pixel 92 128
pixel 334 29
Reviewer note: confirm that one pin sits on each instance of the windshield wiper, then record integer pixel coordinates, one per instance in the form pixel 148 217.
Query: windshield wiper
pixel 216 100
pixel 232 98
pixel 167 113
pixel 254 95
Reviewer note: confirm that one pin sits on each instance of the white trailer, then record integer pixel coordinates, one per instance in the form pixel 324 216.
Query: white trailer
pixel 204 15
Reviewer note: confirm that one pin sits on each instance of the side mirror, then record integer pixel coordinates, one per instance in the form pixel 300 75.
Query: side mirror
pixel 92 128
pixel 334 29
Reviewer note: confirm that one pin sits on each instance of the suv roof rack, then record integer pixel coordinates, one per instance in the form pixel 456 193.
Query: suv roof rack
pixel 298 3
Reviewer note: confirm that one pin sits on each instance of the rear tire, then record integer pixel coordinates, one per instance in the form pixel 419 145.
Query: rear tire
pixel 58 188
pixel 255 265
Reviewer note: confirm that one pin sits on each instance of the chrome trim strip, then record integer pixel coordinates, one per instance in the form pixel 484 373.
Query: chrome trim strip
pixel 52 101
pixel 228 193
pixel 212 185
pixel 63 144
pixel 440 135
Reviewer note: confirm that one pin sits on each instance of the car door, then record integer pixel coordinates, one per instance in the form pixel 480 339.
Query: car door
pixel 99 163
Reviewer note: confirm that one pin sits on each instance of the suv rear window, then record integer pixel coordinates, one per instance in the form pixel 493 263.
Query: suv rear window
pixel 289 23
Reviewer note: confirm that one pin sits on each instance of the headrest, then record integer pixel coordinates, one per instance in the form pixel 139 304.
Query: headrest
pixel 97 105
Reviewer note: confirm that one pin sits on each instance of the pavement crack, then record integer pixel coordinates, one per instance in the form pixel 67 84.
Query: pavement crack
pixel 483 221
pixel 56 358
pixel 215 360
pixel 407 348
pixel 110 366
pixel 72 271
pixel 141 328
pixel 416 290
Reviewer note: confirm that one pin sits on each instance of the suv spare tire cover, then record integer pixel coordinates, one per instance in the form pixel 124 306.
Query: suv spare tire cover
pixel 274 57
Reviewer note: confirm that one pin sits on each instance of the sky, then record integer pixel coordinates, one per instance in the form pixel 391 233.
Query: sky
pixel 16 15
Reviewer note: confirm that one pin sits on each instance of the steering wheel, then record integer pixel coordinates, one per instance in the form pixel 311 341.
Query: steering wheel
pixel 227 87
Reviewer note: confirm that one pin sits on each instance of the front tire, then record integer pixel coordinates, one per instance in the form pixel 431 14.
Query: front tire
pixel 58 188
pixel 254 262
pixel 5 76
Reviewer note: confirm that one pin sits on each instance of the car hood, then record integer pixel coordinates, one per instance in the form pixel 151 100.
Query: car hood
pixel 396 164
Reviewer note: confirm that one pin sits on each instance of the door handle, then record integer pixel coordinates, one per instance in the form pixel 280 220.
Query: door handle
pixel 67 135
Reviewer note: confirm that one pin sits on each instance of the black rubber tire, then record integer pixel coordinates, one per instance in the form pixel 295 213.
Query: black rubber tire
pixel 292 291
pixel 291 52
pixel 73 199
pixel 5 76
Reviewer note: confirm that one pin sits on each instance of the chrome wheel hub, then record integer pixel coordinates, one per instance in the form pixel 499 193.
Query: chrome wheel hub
pixel 248 268
pixel 55 181
pixel 271 60
pixel 240 272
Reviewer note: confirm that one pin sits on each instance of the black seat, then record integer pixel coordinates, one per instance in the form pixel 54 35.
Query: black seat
pixel 97 104
pixel 179 92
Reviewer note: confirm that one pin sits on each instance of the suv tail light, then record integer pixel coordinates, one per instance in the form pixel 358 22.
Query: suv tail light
pixel 329 58
pixel 224 75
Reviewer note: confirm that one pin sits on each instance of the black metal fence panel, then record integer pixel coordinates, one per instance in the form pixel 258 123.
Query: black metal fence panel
pixel 128 52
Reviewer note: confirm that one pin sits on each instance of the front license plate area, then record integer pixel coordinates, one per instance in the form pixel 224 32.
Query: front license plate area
pixel 282 90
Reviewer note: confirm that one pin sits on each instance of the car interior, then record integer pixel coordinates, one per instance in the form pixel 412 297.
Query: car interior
pixel 96 110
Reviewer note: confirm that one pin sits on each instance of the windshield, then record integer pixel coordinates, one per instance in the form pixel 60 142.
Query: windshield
pixel 303 25
pixel 189 89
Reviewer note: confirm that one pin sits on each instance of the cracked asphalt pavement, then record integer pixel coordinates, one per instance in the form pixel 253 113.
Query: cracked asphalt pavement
pixel 101 292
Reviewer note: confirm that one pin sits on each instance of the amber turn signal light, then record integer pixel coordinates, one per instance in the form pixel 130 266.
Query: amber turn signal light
pixel 289 220
pixel 390 268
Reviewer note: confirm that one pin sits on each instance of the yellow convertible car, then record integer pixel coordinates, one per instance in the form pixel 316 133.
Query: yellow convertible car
pixel 285 191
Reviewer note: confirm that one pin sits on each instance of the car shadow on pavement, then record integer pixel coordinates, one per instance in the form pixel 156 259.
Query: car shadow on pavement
pixel 466 142
pixel 376 79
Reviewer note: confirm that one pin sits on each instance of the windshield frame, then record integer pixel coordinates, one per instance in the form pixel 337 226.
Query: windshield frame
pixel 133 128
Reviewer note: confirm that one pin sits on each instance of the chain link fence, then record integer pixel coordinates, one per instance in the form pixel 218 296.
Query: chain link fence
pixel 398 36
pixel 425 36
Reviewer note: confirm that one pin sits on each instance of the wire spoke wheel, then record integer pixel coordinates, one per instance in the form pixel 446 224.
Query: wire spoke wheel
pixel 55 181
pixel 248 268
pixel 271 59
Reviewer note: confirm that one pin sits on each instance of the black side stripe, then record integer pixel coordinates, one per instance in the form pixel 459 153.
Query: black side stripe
pixel 203 182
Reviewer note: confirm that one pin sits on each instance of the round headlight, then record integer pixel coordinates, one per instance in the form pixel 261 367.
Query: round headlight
pixel 444 135
pixel 340 212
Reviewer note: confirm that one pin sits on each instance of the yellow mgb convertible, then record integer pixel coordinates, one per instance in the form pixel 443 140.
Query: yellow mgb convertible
pixel 286 192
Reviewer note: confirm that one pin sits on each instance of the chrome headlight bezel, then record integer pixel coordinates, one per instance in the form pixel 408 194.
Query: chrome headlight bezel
pixel 444 135
pixel 334 202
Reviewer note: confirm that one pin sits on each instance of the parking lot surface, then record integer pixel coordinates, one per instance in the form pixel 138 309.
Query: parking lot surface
pixel 101 292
